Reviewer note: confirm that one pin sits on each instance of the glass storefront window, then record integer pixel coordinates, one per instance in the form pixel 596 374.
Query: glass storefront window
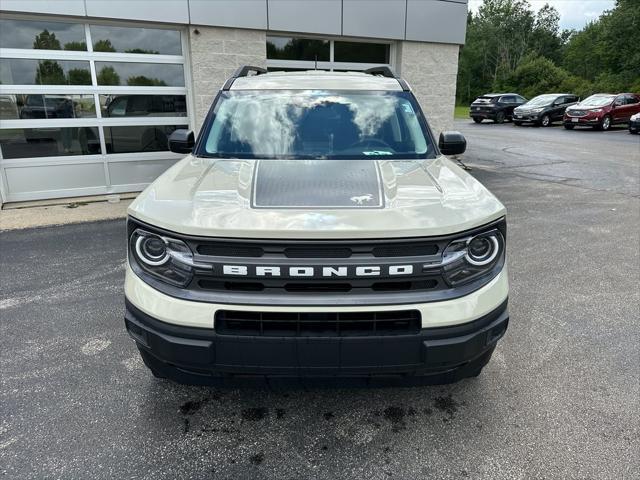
pixel 114 106
pixel 140 74
pixel 135 40
pixel 361 52
pixel 289 48
pixel 42 35
pixel 148 138
pixel 36 106
pixel 24 71
pixel 49 142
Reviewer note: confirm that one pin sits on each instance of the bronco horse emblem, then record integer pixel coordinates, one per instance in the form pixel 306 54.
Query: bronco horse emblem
pixel 362 198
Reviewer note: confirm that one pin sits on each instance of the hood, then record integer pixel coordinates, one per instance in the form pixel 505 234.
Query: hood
pixel 311 199
pixel 586 106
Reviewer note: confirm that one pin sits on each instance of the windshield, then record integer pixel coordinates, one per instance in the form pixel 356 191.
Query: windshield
pixel 598 100
pixel 541 100
pixel 310 124
pixel 486 100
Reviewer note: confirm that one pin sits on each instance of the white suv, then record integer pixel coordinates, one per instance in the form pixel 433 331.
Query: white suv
pixel 316 229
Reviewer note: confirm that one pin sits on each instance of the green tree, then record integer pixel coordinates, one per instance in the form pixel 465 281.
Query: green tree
pixel 143 81
pixel 546 39
pixel 103 46
pixel 536 75
pixel 46 41
pixel 76 46
pixel 510 47
pixel 141 50
pixel 604 51
pixel 49 72
pixel 79 76
pixel 108 76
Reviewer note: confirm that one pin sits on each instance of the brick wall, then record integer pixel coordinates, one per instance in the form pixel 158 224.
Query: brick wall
pixel 431 69
pixel 215 54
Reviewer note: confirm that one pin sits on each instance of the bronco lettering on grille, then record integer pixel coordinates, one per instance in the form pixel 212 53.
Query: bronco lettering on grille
pixel 306 271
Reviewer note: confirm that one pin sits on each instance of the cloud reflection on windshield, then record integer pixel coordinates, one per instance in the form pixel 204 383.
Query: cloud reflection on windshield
pixel 270 123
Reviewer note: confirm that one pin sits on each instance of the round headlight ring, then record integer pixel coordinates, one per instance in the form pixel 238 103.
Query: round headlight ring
pixel 487 258
pixel 149 258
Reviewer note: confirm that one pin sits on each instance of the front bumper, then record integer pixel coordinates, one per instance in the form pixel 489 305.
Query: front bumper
pixel 634 126
pixel 527 117
pixel 200 356
pixel 178 340
pixel 581 121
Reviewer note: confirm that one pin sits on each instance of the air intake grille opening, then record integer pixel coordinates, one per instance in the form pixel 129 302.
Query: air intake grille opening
pixel 312 324
pixel 229 250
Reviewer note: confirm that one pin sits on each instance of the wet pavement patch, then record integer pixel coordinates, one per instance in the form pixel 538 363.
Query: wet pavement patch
pixel 191 407
pixel 446 404
pixel 254 414
pixel 257 459
pixel 395 415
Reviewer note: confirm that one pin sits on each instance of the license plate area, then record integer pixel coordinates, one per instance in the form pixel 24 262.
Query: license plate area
pixel 575 120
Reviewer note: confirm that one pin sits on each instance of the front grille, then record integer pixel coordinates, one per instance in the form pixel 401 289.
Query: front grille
pixel 315 324
pixel 311 250
pixel 576 113
pixel 333 254
pixel 354 286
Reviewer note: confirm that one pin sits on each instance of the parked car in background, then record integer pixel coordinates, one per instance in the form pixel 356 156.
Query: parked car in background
pixel 495 106
pixel 47 106
pixel 149 138
pixel 634 123
pixel 602 110
pixel 543 110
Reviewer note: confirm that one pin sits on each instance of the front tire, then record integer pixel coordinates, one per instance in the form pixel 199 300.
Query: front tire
pixel 499 117
pixel 605 124
pixel 545 121
pixel 477 119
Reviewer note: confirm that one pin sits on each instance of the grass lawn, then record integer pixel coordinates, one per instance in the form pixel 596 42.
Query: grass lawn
pixel 461 111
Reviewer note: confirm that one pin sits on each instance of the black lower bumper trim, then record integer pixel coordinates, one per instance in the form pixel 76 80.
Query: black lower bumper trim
pixel 200 356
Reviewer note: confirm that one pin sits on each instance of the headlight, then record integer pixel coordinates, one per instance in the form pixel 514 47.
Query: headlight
pixel 596 110
pixel 469 258
pixel 537 110
pixel 165 258
pixel 635 117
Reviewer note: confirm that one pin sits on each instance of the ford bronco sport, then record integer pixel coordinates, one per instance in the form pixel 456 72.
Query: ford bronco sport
pixel 315 229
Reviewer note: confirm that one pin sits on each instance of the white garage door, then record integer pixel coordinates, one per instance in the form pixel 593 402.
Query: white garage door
pixel 86 109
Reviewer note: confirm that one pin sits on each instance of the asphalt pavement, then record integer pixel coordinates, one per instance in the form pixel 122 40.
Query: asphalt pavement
pixel 559 400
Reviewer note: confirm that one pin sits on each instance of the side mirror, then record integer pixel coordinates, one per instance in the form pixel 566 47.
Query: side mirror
pixel 452 143
pixel 181 141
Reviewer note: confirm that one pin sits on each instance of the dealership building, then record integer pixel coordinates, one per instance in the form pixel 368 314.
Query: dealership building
pixel 91 89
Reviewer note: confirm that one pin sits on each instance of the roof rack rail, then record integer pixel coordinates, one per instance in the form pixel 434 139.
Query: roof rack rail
pixel 384 71
pixel 243 72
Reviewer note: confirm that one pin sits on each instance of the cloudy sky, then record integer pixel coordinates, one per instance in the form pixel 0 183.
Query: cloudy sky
pixel 573 13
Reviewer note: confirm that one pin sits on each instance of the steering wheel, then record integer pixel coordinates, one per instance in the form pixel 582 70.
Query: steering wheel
pixel 367 142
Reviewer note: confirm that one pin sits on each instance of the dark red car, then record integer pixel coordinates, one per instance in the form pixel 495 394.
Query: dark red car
pixel 602 110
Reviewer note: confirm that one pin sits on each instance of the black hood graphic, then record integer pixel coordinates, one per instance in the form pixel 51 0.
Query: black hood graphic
pixel 317 184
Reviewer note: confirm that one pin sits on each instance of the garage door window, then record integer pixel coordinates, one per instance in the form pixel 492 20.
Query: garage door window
pixel 296 53
pixel 74 93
